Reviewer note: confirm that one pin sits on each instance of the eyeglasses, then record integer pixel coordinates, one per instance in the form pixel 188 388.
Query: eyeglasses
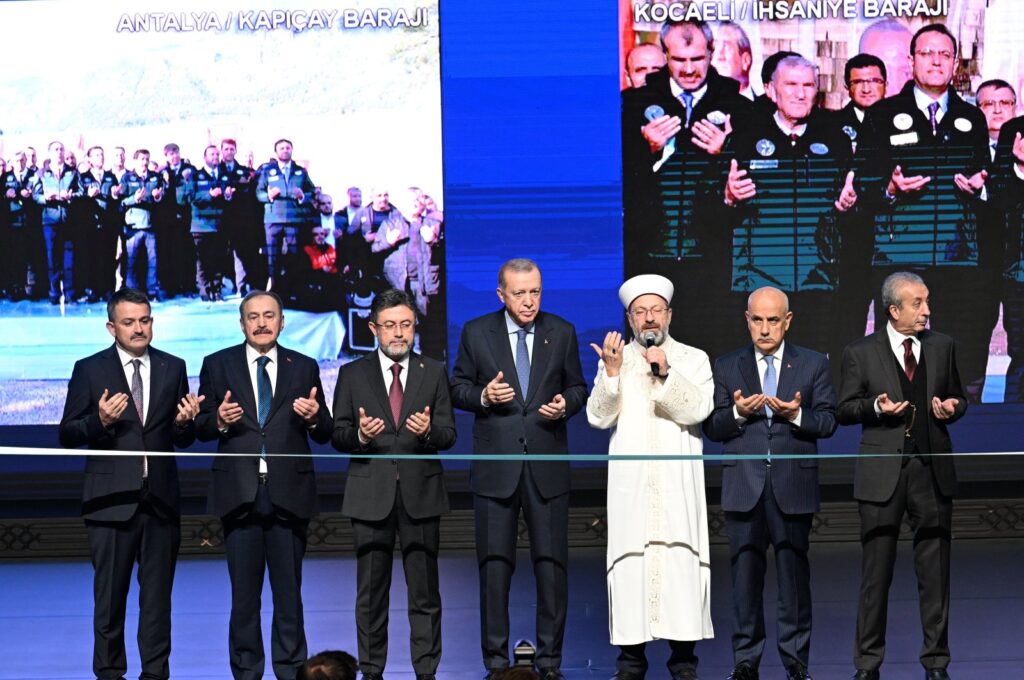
pixel 928 53
pixel 861 82
pixel 390 326
pixel 997 103
pixel 641 312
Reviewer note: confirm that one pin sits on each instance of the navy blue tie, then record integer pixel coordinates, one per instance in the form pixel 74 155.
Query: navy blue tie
pixel 265 395
pixel 523 362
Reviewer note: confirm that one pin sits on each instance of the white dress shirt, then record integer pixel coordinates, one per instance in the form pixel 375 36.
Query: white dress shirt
pixel 251 356
pixel 924 100
pixel 386 363
pixel 144 372
pixel 896 340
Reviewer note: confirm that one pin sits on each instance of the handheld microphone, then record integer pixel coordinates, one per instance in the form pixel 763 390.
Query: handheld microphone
pixel 649 338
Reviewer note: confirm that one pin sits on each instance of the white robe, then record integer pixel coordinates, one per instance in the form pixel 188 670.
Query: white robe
pixel 659 571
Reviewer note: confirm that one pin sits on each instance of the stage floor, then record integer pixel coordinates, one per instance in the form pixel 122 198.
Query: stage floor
pixel 45 617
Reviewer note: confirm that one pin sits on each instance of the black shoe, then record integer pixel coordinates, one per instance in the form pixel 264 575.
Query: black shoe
pixel 744 671
pixel 797 672
pixel 866 675
pixel 626 675
pixel 685 674
pixel 373 676
pixel 425 676
pixel 936 674
pixel 550 674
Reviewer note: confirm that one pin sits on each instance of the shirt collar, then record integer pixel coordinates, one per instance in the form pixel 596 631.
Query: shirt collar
pixel 386 361
pixel 252 354
pixel 858 112
pixel 126 358
pixel 697 94
pixel 799 130
pixel 896 338
pixel 513 327
pixel 759 355
pixel 924 100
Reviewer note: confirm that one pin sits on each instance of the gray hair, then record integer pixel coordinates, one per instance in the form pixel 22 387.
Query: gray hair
pixel 882 26
pixel 516 264
pixel 742 40
pixel 795 61
pixel 253 294
pixel 893 284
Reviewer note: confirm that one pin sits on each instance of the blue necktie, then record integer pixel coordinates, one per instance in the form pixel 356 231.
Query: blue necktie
pixel 265 394
pixel 771 382
pixel 688 103
pixel 523 362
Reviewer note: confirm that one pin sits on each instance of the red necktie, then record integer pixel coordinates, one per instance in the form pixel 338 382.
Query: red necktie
pixel 909 362
pixel 395 393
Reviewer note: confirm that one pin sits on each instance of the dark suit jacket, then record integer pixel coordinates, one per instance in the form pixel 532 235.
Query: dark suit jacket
pixel 113 483
pixel 868 371
pixel 235 479
pixel 794 481
pixel 373 483
pixel 507 428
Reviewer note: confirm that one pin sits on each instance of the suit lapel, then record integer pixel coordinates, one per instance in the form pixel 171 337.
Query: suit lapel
pixel 748 371
pixel 157 378
pixel 885 355
pixel 931 360
pixel 240 384
pixel 788 368
pixel 541 356
pixel 412 385
pixel 285 375
pixel 503 354
pixel 375 378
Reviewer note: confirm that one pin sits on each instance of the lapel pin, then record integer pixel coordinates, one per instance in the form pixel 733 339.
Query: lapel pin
pixel 545 341
pixel 421 365
pixel 789 365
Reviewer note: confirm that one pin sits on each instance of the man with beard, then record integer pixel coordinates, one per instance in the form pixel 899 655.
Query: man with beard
pixel 788 185
pixel 923 162
pixel 143 190
pixel 394 401
pixel 243 222
pixel 518 371
pixel 653 394
pixel 53 189
pixel 772 396
pixel 673 132
pixel 262 397
pixel 286 191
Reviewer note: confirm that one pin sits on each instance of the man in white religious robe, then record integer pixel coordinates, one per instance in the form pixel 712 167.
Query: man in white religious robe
pixel 653 393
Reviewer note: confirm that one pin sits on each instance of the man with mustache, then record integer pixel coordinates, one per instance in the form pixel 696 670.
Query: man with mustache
pixel 395 401
pixel 131 397
pixel 263 399
pixel 653 394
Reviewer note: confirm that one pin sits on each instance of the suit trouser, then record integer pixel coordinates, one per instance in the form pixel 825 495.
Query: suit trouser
pixel 282 241
pixel 152 541
pixel 497 528
pixel 750 533
pixel 633 658
pixel 931 515
pixel 60 259
pixel 420 540
pixel 136 241
pixel 257 540
pixel 209 260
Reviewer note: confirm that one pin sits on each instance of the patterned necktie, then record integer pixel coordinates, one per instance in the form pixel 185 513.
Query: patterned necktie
pixel 264 396
pixel 688 103
pixel 523 362
pixel 395 394
pixel 793 138
pixel 138 394
pixel 771 382
pixel 909 361
pixel 933 110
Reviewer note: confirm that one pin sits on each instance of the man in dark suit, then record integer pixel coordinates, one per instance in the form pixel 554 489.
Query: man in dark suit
pixel 901 384
pixel 394 401
pixel 263 399
pixel 131 398
pixel 518 370
pixel 771 397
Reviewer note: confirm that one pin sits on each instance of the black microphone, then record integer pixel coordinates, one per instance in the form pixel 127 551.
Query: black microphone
pixel 649 338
